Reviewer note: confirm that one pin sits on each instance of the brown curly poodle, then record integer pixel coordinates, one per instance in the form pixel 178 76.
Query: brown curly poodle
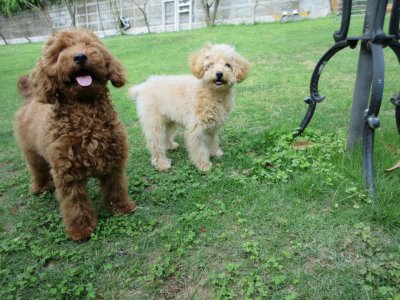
pixel 68 129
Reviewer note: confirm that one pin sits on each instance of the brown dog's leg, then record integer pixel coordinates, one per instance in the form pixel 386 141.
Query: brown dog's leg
pixel 78 214
pixel 115 193
pixel 40 173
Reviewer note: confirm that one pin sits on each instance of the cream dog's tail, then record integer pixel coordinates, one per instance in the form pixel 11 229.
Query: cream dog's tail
pixel 134 91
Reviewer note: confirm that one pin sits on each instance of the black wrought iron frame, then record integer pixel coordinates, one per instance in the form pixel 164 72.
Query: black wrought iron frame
pixel 369 84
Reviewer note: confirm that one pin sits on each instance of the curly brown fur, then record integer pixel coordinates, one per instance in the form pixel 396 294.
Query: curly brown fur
pixel 68 129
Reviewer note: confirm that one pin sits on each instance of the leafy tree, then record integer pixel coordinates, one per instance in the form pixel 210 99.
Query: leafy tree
pixel 8 7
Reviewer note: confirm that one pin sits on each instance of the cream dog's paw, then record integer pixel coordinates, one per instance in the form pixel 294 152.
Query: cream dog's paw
pixel 217 153
pixel 204 166
pixel 161 164
pixel 173 146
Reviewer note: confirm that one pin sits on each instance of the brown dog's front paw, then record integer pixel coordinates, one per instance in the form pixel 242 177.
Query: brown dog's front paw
pixel 37 189
pixel 125 207
pixel 81 232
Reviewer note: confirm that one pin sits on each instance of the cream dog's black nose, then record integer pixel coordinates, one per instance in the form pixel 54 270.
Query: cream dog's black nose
pixel 80 58
pixel 219 75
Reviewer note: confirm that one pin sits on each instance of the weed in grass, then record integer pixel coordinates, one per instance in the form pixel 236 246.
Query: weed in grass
pixel 280 161
pixel 251 249
pixel 381 270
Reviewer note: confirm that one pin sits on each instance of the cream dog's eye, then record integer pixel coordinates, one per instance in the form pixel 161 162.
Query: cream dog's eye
pixel 228 66
pixel 209 66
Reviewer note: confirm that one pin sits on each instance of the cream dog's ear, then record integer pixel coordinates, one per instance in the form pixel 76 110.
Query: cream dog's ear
pixel 242 67
pixel 196 61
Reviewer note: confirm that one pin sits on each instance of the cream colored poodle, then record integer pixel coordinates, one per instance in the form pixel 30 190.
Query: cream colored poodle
pixel 201 103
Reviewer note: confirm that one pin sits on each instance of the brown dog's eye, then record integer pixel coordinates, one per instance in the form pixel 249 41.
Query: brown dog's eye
pixel 228 66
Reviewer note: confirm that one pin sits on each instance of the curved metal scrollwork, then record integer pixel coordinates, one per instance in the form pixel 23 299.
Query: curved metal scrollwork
pixel 345 24
pixel 373 41
pixel 315 97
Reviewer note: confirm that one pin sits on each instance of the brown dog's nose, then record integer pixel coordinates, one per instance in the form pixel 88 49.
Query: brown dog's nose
pixel 219 75
pixel 80 58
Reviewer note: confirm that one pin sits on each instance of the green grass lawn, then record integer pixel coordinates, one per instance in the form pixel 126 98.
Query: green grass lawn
pixel 268 222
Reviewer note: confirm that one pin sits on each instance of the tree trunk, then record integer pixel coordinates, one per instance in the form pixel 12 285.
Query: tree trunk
pixel 46 15
pixel 99 15
pixel 21 31
pixel 42 12
pixel 116 14
pixel 3 37
pixel 210 18
pixel 206 10
pixel 146 20
pixel 214 15
pixel 143 11
pixel 71 9
pixel 254 11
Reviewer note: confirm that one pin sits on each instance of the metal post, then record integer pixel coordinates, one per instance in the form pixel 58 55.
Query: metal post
pixel 362 88
pixel 362 91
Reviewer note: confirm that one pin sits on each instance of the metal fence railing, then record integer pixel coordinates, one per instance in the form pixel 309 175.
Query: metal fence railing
pixel 357 9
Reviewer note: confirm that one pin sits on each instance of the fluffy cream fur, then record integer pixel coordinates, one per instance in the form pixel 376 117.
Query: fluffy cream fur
pixel 201 103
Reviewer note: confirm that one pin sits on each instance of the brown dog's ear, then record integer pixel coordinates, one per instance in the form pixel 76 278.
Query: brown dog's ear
pixel 24 86
pixel 43 84
pixel 116 72
pixel 196 62
pixel 42 80
pixel 242 67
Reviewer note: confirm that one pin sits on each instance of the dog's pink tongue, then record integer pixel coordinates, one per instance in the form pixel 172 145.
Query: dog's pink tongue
pixel 84 80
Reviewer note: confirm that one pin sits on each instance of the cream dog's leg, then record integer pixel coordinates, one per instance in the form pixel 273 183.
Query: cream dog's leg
pixel 215 149
pixel 197 142
pixel 156 138
pixel 172 145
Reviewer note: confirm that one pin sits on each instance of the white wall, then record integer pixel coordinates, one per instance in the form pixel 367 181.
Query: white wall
pixel 30 25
